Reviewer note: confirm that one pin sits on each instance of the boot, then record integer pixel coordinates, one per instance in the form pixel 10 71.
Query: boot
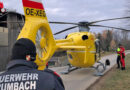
pixel 123 68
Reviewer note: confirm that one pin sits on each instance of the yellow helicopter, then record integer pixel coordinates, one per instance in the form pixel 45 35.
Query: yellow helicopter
pixel 83 49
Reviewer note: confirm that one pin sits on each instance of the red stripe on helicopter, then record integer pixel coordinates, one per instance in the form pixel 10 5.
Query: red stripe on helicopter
pixel 32 4
pixel 1 5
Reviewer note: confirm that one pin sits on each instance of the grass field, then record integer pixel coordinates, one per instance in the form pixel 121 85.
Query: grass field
pixel 106 53
pixel 116 79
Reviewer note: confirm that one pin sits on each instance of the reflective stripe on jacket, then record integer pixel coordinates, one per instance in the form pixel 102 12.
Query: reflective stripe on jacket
pixel 118 50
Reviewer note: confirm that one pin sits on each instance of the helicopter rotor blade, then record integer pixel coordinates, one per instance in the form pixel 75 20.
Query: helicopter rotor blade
pixel 63 23
pixel 65 30
pixel 108 20
pixel 109 27
pixel 4 22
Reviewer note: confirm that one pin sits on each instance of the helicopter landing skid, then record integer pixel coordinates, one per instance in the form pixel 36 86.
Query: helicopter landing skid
pixel 100 68
pixel 70 69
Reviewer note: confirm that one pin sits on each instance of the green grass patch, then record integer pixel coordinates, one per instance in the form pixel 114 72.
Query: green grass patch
pixel 117 79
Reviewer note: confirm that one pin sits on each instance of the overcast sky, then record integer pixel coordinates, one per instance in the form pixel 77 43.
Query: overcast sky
pixel 77 10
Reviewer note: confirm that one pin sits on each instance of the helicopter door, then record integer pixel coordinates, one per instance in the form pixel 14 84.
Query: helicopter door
pixel 97 45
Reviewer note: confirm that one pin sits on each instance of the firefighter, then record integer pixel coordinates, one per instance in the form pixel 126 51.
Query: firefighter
pixel 22 73
pixel 121 56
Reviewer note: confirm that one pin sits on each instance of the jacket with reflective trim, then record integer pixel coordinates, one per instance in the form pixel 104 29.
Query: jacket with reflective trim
pixel 121 51
pixel 23 75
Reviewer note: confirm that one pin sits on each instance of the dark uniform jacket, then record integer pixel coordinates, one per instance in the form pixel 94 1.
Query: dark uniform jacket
pixel 23 75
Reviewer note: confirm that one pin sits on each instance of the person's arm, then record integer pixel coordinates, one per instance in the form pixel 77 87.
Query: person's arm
pixel 58 81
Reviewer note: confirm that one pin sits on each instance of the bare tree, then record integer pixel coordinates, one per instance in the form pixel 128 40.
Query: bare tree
pixel 105 39
pixel 117 37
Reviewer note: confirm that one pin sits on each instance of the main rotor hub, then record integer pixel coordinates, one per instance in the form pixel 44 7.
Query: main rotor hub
pixel 84 26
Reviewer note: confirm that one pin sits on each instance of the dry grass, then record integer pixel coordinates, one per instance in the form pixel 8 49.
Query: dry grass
pixel 106 53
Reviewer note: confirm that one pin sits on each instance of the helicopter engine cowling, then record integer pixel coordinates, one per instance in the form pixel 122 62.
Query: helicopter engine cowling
pixel 86 56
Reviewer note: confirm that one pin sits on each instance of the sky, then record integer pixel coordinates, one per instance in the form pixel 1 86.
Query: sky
pixel 76 11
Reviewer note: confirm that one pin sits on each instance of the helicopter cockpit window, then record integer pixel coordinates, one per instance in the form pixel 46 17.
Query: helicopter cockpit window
pixel 3 36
